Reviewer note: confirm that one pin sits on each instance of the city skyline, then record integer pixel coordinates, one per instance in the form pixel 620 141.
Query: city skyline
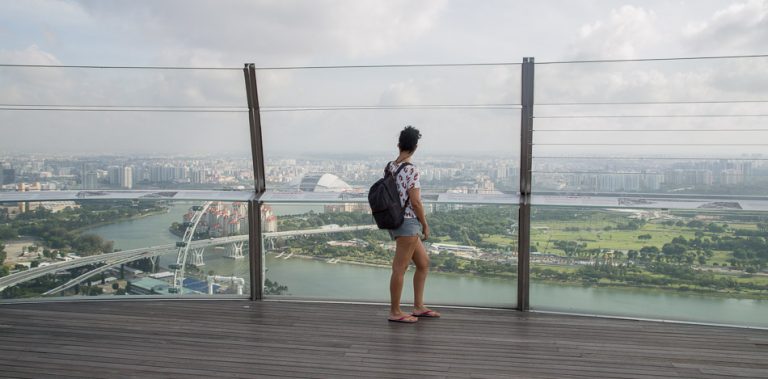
pixel 440 174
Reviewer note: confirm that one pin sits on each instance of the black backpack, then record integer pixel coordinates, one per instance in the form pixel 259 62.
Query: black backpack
pixel 384 200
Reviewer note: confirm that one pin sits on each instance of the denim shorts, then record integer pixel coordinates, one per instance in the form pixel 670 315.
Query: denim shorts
pixel 410 227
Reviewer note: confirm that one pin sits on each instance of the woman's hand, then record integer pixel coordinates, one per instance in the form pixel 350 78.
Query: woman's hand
pixel 425 231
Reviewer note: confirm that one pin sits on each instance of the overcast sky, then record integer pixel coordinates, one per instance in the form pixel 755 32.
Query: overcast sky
pixel 357 32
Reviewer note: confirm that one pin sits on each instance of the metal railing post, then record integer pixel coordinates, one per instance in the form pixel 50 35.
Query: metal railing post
pixel 255 240
pixel 255 245
pixel 524 212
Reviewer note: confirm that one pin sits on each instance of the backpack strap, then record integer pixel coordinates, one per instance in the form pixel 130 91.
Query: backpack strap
pixel 387 171
pixel 402 166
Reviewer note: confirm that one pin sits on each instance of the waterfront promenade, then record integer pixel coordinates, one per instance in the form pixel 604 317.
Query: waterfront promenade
pixel 204 339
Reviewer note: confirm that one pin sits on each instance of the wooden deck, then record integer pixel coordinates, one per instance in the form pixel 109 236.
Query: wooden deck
pixel 206 339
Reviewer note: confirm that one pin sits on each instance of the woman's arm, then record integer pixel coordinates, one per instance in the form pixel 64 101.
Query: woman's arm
pixel 414 195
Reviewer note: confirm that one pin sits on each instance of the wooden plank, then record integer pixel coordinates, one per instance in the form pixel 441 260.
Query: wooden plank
pixel 284 339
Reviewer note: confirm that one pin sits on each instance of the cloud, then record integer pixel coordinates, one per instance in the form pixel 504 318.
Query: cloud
pixel 631 32
pixel 275 33
pixel 30 55
pixel 371 28
pixel 117 132
pixel 24 85
pixel 740 28
pixel 623 35
pixel 628 31
pixel 402 93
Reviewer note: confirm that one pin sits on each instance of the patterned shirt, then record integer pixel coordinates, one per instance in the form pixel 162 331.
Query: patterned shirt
pixel 407 178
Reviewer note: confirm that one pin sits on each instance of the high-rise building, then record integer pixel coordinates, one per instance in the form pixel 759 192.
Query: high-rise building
pixel 501 172
pixel 7 176
pixel 165 174
pixel 155 173
pixel 126 177
pixel 198 176
pixel 688 177
pixel 180 173
pixel 28 206
pixel 731 176
pixel 90 181
pixel 270 220
pixel 651 181
pixel 114 175
pixel 169 174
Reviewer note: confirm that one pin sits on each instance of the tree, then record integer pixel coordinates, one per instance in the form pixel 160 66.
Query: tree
pixel 674 251
pixel 714 228
pixel 91 244
pixel 632 254
pixel 7 232
pixel 450 264
pixel 649 252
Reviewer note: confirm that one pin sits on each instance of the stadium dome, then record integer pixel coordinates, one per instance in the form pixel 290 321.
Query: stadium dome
pixel 323 183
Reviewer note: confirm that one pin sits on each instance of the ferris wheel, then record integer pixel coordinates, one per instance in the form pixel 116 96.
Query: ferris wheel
pixel 183 247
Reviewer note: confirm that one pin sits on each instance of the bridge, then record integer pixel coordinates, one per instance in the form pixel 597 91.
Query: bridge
pixel 117 258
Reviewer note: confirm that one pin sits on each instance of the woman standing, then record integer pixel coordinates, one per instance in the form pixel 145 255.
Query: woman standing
pixel 408 245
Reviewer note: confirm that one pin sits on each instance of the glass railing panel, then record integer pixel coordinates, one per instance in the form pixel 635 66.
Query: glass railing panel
pixel 693 126
pixel 698 264
pixel 354 146
pixel 345 122
pixel 327 136
pixel 649 182
pixel 333 251
pixel 108 248
pixel 122 129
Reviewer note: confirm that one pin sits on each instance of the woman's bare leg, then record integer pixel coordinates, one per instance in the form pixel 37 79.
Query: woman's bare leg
pixel 421 260
pixel 404 249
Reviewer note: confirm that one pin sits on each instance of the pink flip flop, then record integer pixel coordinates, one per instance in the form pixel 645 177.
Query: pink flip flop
pixel 405 319
pixel 429 313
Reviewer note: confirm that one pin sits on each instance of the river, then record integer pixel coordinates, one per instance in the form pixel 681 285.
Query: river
pixel 307 278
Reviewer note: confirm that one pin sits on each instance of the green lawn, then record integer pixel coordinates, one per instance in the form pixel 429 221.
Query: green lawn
pixel 600 230
pixel 501 240
pixel 595 236
pixel 720 257
pixel 754 279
